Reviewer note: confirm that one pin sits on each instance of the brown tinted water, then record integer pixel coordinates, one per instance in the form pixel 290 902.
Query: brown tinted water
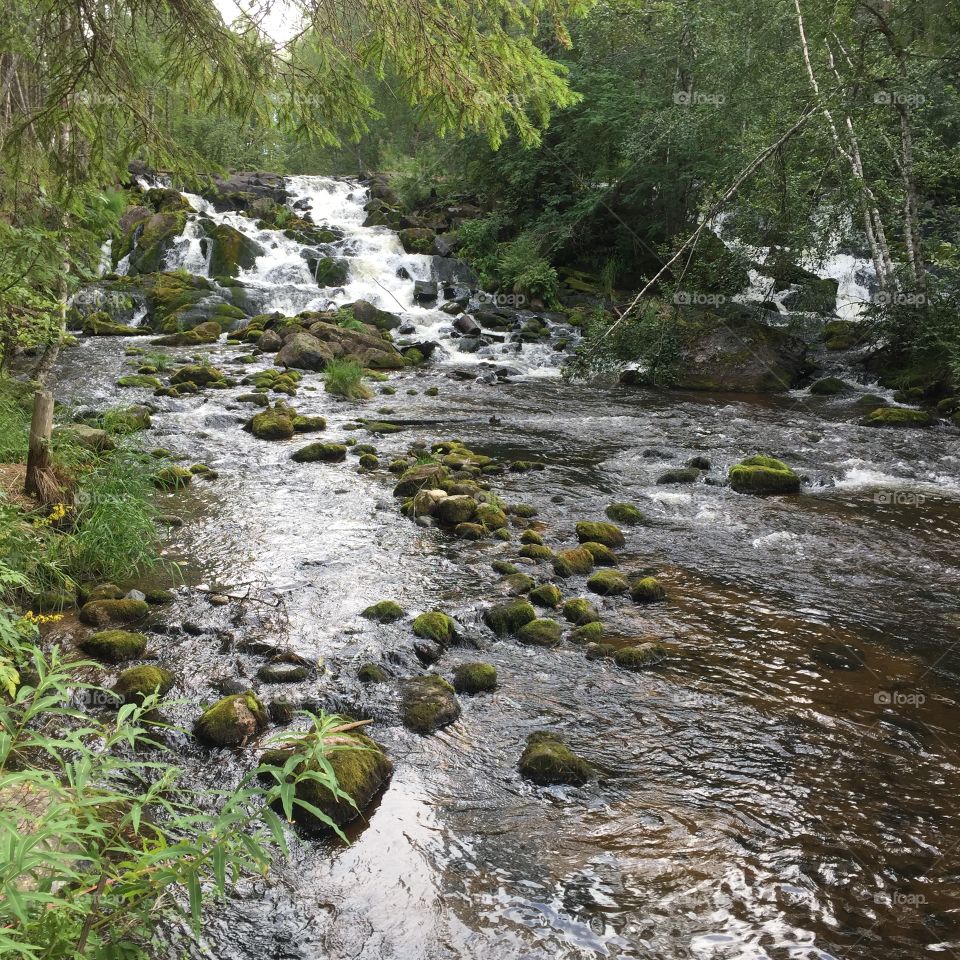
pixel 754 800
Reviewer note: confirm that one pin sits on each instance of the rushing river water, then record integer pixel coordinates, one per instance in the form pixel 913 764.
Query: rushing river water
pixel 755 801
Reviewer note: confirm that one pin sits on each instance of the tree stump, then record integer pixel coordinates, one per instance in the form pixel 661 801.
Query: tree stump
pixel 41 482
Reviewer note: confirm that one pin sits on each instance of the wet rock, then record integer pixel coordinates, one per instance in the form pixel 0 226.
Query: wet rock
pixel 270 341
pixel 328 271
pixel 547 760
pixel 625 513
pixel 507 618
pixel 99 613
pixel 232 721
pixel 597 531
pixel 830 387
pixel 900 417
pixel 282 673
pixel 547 595
pixel 417 240
pixel 647 590
pixel 273 423
pixel 602 556
pixel 699 463
pixel 540 632
pixel 228 249
pixel 281 711
pixel 589 633
pixel 366 312
pixel 580 611
pixel 640 657
pixel 372 673
pixel 361 769
pixel 384 611
pixel 198 374
pixel 303 351
pixel 114 646
pixel 503 567
pixel 429 704
pixel 572 562
pixel 678 475
pixel 436 626
pixel 457 509
pixel 422 476
pixel 608 583
pixel 425 291
pixel 517 583
pixel 320 453
pixel 470 531
pixel 474 678
pixel 761 475
pixel 838 656
pixel 105 591
pixel 135 684
pixel 600 651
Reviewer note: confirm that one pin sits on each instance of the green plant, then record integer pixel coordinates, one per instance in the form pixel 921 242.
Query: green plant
pixel 159 361
pixel 521 269
pixel 344 378
pixel 348 321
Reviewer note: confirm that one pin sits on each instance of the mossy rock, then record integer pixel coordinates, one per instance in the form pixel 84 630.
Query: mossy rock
pixel 470 531
pixel 135 684
pixel 504 567
pixel 283 673
pixel 372 673
pixel 99 613
pixel 901 417
pixel 385 611
pixel 436 626
pixel 640 657
pixel 369 461
pixel 231 721
pixel 172 478
pixel 608 583
pixel 597 531
pixel 580 611
pixel 531 536
pixel 535 551
pixel 502 534
pixel 422 476
pixel 507 618
pixel 492 517
pixel 602 556
pixel 303 424
pixel 320 453
pixel 830 387
pixel 547 760
pixel 678 475
pixel 523 510
pixel 274 423
pixel 589 633
pixel 140 380
pixel 541 632
pixel 429 704
pixel 475 678
pixel 114 646
pixel 204 471
pixel 647 590
pixel 199 374
pixel 625 513
pixel 573 562
pixel 454 510
pixel 126 420
pixel 361 768
pixel 517 583
pixel 600 651
pixel 546 595
pixel 760 475
pixel 105 591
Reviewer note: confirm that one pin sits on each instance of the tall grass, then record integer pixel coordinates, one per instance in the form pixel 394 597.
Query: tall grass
pixel 344 378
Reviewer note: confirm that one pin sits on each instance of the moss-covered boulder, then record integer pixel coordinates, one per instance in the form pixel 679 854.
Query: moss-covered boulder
pixel 576 561
pixel 475 678
pixel 547 760
pixel 417 240
pixel 198 373
pixel 647 590
pixel 517 583
pixel 361 768
pixel 899 417
pixel 229 250
pixel 372 673
pixel 600 651
pixel 639 657
pixel 274 423
pixel 135 684
pixel 507 618
pixel 608 583
pixel 100 324
pixel 491 516
pixel 114 646
pixel 149 240
pixel 99 613
pixel 760 475
pixel 320 453
pixel 531 536
pixel 625 513
pixel 579 611
pixel 503 567
pixel 589 633
pixel 303 351
pixel 830 387
pixel 602 556
pixel 541 632
pixel 139 380
pixel 454 510
pixel 429 704
pixel 598 531
pixel 436 626
pixel 678 475
pixel 384 611
pixel 423 476
pixel 536 551
pixel 231 721
pixel 546 595
pixel 172 478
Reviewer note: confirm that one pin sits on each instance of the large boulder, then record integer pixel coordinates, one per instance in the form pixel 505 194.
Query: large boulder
pixel 368 349
pixel 150 239
pixel 429 704
pixel 366 312
pixel 229 250
pixel 304 351
pixel 547 760
pixel 329 271
pixel 231 721
pixel 241 191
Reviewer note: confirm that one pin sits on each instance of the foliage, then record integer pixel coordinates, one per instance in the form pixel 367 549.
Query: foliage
pixel 344 378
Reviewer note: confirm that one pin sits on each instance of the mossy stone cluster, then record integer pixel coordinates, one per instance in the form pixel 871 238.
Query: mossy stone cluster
pixel 505 619
pixel 231 721
pixel 547 760
pixel 761 475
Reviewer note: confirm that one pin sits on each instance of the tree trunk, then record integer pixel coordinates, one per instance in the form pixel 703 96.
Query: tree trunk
pixel 40 480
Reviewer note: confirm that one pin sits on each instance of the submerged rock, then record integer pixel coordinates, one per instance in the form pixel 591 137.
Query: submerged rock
pixel 547 760
pixel 429 704
pixel 678 475
pixel 231 721
pixel 639 657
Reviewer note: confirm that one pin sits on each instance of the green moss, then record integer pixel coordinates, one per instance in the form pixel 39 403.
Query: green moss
pixel 523 510
pixel 608 583
pixel 199 374
pixel 470 531
pixel 506 618
pixel 502 534
pixel 274 423
pixel 139 380
pixel 431 392
pixel 503 567
pixel 897 417
pixel 546 595
pixel 541 632
pixel 580 611
pixel 602 556
pixel 600 651
pixel 492 517
pixel 429 703
pixel 372 673
pixel 576 561
pixel 475 678
pixel 536 551
pixel 361 768
pixel 639 657
pixel 172 478
pixel 385 611
pixel 547 760
pixel 597 531
pixel 625 513
pixel 369 461
pixel 138 682
pixel 320 453
pixel 436 626
pixel 114 646
pixel 517 583
pixel 98 613
pixel 647 590
pixel 303 424
pixel 231 721
pixel 589 633
pixel 760 474
pixel 454 510
pixel 531 536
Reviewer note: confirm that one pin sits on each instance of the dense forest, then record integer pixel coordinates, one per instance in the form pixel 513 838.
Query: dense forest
pixel 646 313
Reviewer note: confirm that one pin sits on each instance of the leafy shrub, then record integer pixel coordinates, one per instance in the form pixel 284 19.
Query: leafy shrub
pixel 521 269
